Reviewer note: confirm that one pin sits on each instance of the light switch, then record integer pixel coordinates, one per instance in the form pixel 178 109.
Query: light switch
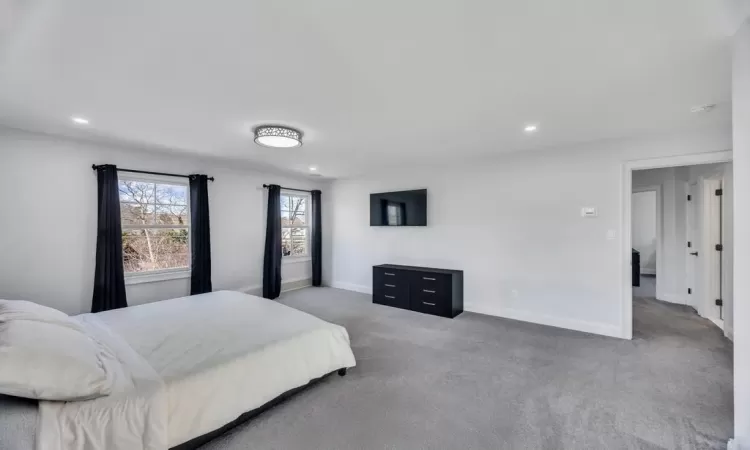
pixel 589 211
pixel 611 235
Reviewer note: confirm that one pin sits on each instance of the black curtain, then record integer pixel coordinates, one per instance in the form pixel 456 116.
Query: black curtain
pixel 200 278
pixel 272 258
pixel 316 240
pixel 109 275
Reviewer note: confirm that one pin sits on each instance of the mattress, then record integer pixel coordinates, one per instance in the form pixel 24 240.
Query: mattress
pixel 219 355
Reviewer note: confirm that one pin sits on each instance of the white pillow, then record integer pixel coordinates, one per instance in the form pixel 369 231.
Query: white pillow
pixel 21 309
pixel 51 359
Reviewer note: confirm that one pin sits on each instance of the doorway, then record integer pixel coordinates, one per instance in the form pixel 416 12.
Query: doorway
pixel 646 239
pixel 699 225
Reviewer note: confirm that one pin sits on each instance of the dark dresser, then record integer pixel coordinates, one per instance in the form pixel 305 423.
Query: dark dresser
pixel 431 291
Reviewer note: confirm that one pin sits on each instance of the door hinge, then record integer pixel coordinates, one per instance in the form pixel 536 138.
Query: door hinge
pixel 719 247
pixel 720 192
pixel 719 302
pixel 690 291
pixel 689 198
pixel 690 244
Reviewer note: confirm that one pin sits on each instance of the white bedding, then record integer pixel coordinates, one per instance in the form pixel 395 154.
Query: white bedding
pixel 205 359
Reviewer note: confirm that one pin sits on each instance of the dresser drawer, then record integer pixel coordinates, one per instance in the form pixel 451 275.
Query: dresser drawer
pixel 432 283
pixel 431 303
pixel 396 299
pixel 391 277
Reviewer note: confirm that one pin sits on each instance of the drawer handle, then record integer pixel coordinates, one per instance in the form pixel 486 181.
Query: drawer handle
pixel 389 274
pixel 428 303
pixel 389 296
pixel 390 285
pixel 428 278
pixel 428 291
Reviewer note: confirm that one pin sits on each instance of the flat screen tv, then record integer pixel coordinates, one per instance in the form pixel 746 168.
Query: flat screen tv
pixel 399 209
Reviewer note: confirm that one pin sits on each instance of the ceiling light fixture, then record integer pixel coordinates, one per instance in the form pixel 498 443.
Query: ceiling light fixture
pixel 80 120
pixel 277 136
pixel 313 169
pixel 530 128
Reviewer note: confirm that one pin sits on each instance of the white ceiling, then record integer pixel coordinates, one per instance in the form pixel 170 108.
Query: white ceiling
pixel 370 83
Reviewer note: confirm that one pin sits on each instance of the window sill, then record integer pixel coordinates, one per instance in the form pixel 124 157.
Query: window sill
pixel 155 277
pixel 295 259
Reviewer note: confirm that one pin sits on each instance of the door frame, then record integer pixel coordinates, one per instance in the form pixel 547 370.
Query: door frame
pixel 692 233
pixel 659 231
pixel 626 192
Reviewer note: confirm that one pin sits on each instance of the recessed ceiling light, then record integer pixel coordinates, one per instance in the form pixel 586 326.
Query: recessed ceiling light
pixel 530 128
pixel 80 120
pixel 313 169
pixel 277 136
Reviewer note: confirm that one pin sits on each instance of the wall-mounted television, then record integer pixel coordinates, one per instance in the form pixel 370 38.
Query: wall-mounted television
pixel 399 209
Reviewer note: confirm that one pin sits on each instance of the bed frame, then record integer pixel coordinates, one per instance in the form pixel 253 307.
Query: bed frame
pixel 197 442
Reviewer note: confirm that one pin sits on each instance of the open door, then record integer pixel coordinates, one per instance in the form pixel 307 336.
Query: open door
pixel 692 248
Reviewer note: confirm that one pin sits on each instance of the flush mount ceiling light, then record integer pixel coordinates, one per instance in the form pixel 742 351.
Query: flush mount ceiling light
pixel 277 136
pixel 80 120
pixel 530 128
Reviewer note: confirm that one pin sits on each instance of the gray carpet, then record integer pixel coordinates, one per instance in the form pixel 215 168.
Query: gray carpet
pixel 479 382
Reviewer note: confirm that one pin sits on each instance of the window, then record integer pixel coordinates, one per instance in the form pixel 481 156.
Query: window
pixel 155 226
pixel 295 228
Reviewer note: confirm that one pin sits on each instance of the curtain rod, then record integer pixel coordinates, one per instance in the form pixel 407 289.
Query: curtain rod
pixel 288 189
pixel 94 166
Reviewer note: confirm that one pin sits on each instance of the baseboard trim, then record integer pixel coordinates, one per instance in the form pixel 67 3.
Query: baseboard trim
pixel 352 287
pixel 718 322
pixel 552 321
pixel 673 298
pixel 286 286
pixel 515 314
pixel 729 333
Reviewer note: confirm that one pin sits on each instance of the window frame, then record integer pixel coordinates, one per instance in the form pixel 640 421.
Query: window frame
pixel 308 198
pixel 159 274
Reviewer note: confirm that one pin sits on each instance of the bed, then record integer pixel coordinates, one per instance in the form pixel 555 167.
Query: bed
pixel 191 368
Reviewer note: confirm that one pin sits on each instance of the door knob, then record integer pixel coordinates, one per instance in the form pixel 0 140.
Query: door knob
pixel 694 253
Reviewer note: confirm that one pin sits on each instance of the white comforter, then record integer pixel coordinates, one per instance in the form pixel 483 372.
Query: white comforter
pixel 192 365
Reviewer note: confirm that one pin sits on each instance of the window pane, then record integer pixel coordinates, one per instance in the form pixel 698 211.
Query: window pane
pixel 285 203
pixel 136 192
pixel 286 241
pixel 155 249
pixel 285 222
pixel 172 215
pixel 170 194
pixel 297 218
pixel 298 241
pixel 297 204
pixel 137 214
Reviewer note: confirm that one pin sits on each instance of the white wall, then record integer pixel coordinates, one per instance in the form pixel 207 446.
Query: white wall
pixel 643 229
pixel 48 221
pixel 670 282
pixel 741 137
pixel 513 224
